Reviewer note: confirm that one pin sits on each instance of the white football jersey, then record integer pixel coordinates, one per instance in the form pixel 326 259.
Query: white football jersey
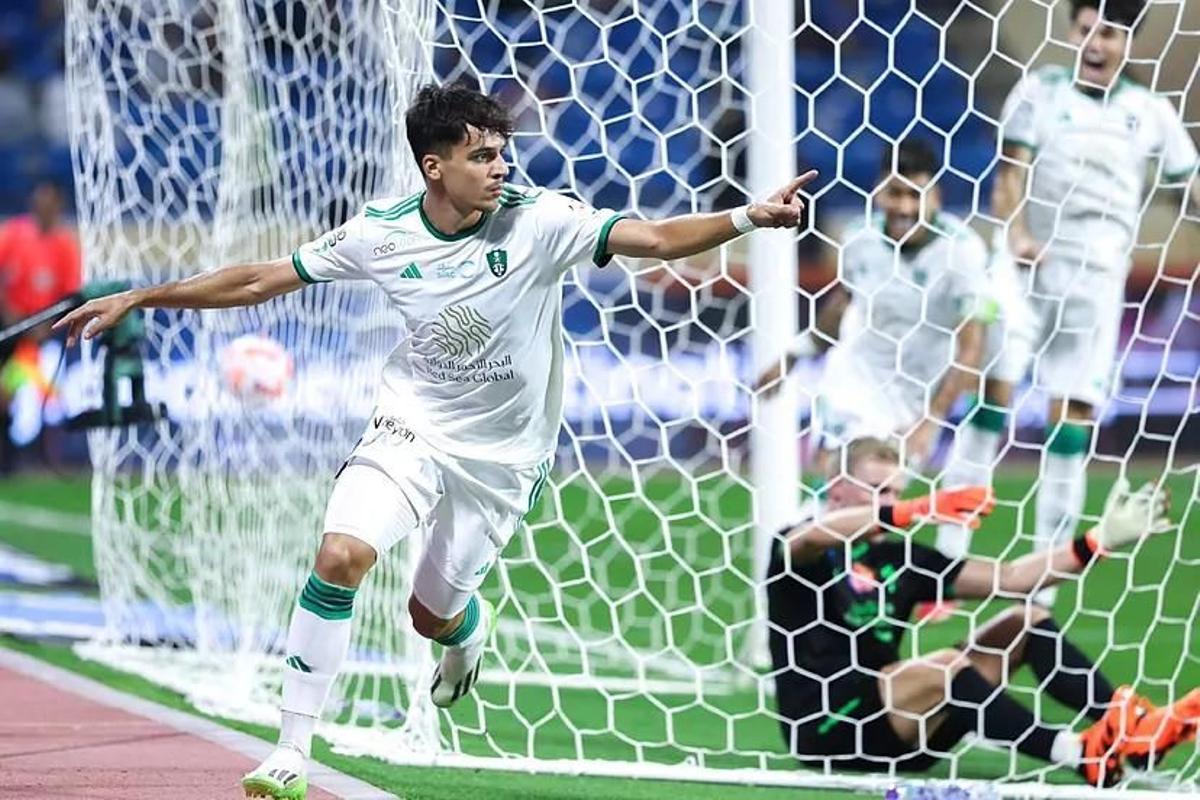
pixel 478 372
pixel 1090 161
pixel 907 302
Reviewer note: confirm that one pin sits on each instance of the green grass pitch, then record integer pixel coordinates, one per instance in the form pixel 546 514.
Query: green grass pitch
pixel 616 581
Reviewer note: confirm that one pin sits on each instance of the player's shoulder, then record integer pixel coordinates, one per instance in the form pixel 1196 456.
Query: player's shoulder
pixel 1049 76
pixel 1130 90
pixel 535 201
pixel 1142 101
pixel 392 208
pixel 1040 83
pixel 517 198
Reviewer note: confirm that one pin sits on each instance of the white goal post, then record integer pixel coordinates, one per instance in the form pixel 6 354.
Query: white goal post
pixel 631 632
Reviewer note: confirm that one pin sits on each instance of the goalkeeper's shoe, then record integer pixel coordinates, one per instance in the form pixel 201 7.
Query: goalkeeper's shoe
pixel 1160 729
pixel 283 776
pixel 458 670
pixel 1104 743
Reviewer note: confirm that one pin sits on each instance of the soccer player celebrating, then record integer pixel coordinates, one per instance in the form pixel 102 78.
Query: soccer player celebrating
pixel 909 343
pixel 470 402
pixel 840 592
pixel 1087 135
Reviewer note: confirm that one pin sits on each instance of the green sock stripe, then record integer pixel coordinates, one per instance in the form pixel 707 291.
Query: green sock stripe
pixel 1068 439
pixel 990 419
pixel 327 600
pixel 327 589
pixel 466 626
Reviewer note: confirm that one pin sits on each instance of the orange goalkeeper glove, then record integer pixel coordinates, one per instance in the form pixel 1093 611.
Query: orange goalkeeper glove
pixel 963 506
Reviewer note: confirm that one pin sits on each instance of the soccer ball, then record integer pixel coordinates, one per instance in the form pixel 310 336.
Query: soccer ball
pixel 255 369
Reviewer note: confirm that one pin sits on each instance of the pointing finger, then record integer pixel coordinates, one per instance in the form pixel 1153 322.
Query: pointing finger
pixel 798 183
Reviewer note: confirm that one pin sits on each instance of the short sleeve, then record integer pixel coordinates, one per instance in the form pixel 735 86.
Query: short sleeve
pixel 852 271
pixel 572 231
pixel 1018 120
pixel 968 286
pixel 336 255
pixel 1178 149
pixel 931 574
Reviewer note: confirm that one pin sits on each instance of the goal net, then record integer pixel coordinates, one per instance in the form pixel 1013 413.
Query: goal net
pixel 631 631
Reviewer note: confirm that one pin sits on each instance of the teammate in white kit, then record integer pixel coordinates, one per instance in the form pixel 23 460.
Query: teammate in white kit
pixel 1088 135
pixel 471 398
pixel 908 344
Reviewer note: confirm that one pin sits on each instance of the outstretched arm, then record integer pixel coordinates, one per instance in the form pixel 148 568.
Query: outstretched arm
pixel 1128 517
pixel 964 506
pixel 1008 201
pixel 226 287
pixel 689 234
pixel 809 343
pixel 962 376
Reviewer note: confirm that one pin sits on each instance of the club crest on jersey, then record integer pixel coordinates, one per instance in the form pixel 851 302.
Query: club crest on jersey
pixel 497 261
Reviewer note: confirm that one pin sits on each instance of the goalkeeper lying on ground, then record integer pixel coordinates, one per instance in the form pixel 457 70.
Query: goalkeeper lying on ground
pixel 840 593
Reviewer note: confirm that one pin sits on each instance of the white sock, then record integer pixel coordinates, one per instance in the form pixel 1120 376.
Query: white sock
pixel 1067 749
pixel 471 628
pixel 971 461
pixel 317 642
pixel 296 730
pixel 1061 492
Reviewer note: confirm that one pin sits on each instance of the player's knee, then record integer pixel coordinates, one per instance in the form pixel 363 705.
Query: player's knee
pixel 344 560
pixel 424 621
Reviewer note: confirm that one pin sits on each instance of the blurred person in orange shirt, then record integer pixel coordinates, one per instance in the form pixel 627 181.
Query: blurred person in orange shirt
pixel 39 265
pixel 39 256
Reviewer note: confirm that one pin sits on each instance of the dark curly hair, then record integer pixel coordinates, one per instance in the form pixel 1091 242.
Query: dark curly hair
pixel 440 116
pixel 1121 12
pixel 913 157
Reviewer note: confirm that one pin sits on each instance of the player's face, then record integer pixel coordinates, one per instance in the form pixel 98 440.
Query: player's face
pixel 907 200
pixel 872 478
pixel 1101 48
pixel 473 171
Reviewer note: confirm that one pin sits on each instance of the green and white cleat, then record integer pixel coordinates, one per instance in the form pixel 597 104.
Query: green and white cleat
pixel 458 670
pixel 283 776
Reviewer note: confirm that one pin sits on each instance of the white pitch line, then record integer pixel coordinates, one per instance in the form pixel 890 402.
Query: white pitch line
pixel 327 778
pixel 45 518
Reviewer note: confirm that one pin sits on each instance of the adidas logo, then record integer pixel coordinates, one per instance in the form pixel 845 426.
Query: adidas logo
pixel 297 663
pixel 412 272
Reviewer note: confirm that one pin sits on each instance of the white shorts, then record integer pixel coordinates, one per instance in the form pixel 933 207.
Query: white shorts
pixel 393 483
pixel 1010 338
pixel 1067 328
pixel 852 402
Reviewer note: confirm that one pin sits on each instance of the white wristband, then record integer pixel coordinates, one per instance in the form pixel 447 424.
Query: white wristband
pixel 741 219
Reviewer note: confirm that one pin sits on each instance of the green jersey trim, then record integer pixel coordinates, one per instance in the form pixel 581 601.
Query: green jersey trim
pixel 449 237
pixel 395 212
pixel 513 197
pixel 1179 175
pixel 301 271
pixel 1010 142
pixel 405 206
pixel 600 254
